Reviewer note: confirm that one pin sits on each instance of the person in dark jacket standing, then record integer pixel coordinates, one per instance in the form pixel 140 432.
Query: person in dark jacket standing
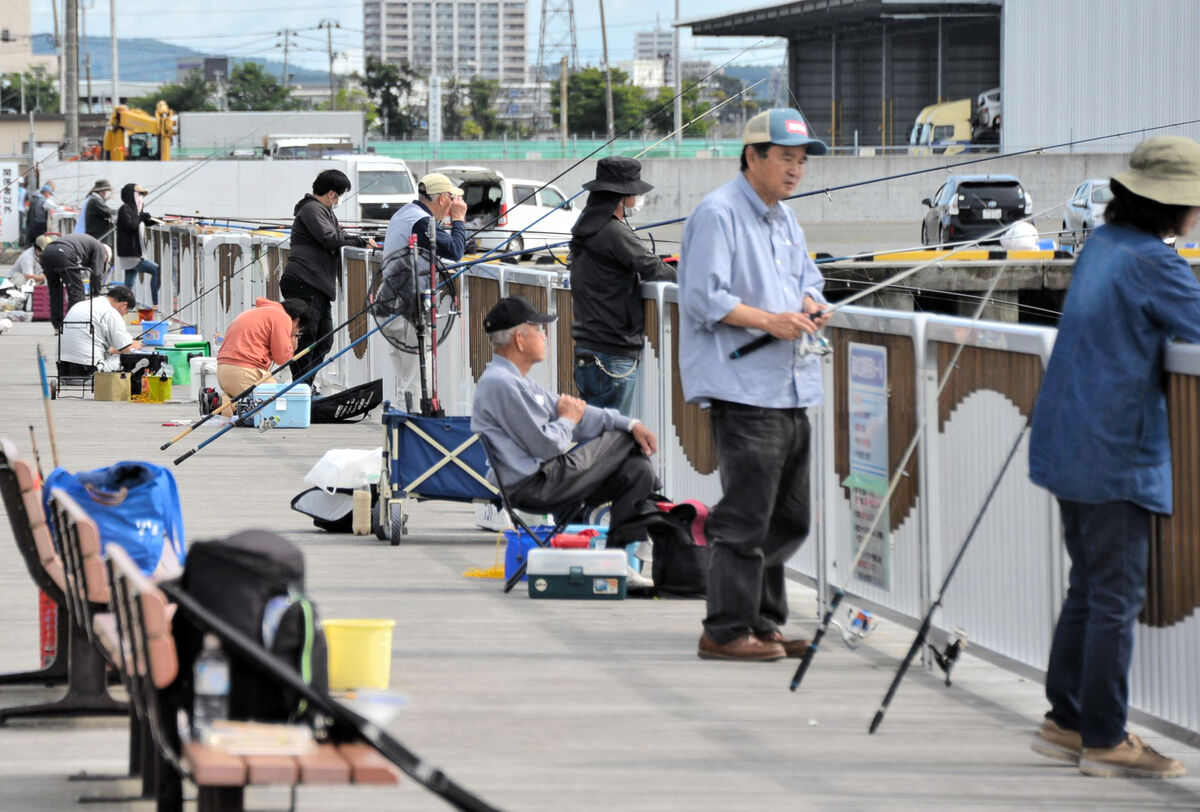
pixel 131 244
pixel 98 219
pixel 38 216
pixel 314 263
pixel 64 262
pixel 608 266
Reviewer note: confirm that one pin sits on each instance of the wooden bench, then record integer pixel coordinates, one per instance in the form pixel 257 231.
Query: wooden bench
pixel 151 664
pixel 82 666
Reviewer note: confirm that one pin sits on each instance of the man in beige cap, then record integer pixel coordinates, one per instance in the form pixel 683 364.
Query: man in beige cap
pixel 437 196
pixel 1100 444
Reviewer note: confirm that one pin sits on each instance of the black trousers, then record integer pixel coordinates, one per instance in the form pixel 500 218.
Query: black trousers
pixel 319 323
pixel 61 269
pixel 761 520
pixel 611 467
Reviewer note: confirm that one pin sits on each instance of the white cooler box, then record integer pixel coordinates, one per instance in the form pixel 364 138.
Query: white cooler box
pixel 589 574
pixel 204 375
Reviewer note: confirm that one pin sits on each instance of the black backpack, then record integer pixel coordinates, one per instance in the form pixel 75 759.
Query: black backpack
pixel 241 579
pixel 680 565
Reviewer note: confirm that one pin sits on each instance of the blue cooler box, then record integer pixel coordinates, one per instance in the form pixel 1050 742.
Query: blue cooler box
pixel 578 574
pixel 292 410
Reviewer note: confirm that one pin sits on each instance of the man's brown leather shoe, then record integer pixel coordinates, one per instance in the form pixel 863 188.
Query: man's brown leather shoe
pixel 746 647
pixel 794 648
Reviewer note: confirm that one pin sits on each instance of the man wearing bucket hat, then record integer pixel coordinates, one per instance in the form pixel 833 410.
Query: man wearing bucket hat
pixel 744 270
pixel 608 266
pixel 1099 443
pixel 531 431
pixel 437 196
pixel 97 217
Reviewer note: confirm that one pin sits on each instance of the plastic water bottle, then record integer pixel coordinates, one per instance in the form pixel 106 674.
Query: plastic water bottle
pixel 211 688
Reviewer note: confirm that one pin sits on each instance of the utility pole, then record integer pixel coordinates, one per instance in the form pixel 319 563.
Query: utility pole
pixel 71 89
pixel 58 58
pixel 329 25
pixel 608 105
pixel 562 102
pixel 676 63
pixel 87 53
pixel 112 22
pixel 287 41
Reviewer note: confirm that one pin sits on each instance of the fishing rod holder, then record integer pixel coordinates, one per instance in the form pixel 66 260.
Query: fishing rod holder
pixel 947 656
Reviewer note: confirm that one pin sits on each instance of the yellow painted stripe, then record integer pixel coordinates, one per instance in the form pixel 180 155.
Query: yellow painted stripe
pixel 920 256
pixel 1189 252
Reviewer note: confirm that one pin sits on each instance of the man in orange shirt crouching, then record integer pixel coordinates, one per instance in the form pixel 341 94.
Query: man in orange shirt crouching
pixel 258 339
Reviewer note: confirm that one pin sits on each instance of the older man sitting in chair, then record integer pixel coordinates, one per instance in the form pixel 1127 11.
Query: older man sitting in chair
pixel 530 431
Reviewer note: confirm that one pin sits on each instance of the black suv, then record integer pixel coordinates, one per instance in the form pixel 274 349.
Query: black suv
pixel 970 206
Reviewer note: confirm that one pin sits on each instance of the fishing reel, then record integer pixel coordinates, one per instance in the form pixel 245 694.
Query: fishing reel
pixel 948 656
pixel 813 344
pixel 857 627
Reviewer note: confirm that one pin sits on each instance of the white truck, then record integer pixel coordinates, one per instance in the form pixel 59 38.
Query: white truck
pixel 241 190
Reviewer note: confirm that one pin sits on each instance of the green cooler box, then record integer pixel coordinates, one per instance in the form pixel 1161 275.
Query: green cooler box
pixel 179 356
pixel 592 574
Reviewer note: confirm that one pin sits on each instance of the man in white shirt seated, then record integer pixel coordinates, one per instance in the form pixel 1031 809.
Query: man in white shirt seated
pixel 95 334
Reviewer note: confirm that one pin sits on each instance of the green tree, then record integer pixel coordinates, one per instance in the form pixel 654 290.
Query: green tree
pixel 662 106
pixel 736 111
pixel 252 88
pixel 40 95
pixel 454 107
pixel 355 98
pixel 481 96
pixel 190 94
pixel 388 86
pixel 586 107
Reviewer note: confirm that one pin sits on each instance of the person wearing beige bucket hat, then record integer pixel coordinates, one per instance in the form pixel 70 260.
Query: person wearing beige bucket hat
pixel 1100 444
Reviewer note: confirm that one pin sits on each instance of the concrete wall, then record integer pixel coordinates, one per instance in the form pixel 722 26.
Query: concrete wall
pixel 270 188
pixel 247 129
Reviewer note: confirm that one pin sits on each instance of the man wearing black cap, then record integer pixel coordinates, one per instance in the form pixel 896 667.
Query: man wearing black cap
pixel 744 271
pixel 531 429
pixel 608 266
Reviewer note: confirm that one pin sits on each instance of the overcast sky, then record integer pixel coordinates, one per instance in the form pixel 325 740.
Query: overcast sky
pixel 249 27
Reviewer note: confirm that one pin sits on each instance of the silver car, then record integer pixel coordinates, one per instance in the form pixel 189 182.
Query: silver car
pixel 1085 211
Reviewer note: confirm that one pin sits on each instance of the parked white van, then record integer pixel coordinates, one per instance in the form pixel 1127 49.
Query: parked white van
pixel 382 186
pixel 493 199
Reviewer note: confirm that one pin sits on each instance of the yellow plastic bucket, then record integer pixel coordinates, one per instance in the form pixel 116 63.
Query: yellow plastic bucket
pixel 360 653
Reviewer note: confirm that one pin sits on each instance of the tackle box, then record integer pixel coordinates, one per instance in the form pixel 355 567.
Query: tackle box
pixel 577 574
pixel 293 410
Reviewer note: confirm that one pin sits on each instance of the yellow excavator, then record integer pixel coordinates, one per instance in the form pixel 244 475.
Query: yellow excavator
pixel 134 135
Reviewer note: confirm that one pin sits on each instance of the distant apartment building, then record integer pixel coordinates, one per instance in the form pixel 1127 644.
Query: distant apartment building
pixel 16 39
pixel 467 37
pixel 657 45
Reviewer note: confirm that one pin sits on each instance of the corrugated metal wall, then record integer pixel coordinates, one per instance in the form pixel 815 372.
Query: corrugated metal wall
pixel 1083 68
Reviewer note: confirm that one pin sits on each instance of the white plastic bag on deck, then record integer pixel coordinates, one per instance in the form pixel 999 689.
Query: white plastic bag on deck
pixel 346 468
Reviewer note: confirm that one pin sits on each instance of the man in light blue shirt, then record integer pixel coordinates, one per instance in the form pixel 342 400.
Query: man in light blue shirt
pixel 530 430
pixel 744 271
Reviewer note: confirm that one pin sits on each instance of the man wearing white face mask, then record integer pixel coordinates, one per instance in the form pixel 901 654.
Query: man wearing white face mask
pixel 314 263
pixel 608 264
pixel 131 239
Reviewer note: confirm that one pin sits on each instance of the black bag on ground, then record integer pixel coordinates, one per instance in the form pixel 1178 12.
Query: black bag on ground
pixel 254 580
pixel 343 407
pixel 680 559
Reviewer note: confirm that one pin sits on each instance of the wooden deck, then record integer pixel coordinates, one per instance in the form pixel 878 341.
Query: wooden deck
pixel 547 705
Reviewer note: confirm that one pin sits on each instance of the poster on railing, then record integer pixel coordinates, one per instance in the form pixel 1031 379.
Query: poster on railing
pixel 868 478
pixel 10 229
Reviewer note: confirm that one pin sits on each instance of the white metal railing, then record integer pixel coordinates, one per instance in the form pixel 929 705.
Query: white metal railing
pixel 1012 581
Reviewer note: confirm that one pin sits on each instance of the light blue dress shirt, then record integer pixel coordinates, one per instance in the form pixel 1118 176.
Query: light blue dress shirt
pixel 735 251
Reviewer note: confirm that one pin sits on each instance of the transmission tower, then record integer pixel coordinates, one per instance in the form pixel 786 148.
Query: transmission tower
pixel 556 39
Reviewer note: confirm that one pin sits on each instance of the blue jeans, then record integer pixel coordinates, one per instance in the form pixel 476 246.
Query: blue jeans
pixel 145 266
pixel 1087 681
pixel 611 387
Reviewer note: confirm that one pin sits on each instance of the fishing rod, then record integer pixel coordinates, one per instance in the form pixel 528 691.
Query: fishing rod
pixel 636 125
pixel 46 402
pixel 839 592
pixel 243 419
pixel 918 643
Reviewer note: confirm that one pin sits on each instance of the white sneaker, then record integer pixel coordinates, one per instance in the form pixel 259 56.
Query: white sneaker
pixel 635 580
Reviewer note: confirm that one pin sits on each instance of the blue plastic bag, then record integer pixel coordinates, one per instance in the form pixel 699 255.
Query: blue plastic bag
pixel 134 504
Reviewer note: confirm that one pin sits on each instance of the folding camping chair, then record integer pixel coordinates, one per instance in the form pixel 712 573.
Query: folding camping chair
pixel 428 458
pixel 562 517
